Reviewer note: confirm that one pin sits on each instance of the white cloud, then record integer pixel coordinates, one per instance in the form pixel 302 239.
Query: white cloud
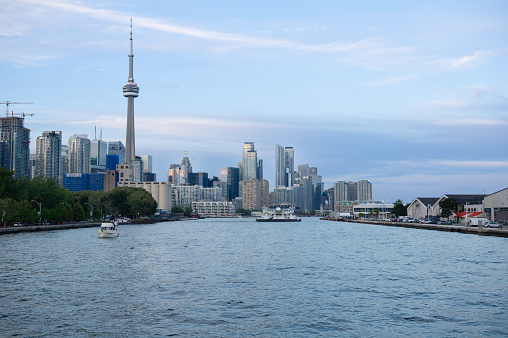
pixel 470 61
pixel 472 164
pixel 473 122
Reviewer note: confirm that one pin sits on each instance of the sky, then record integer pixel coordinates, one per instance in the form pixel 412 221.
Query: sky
pixel 410 95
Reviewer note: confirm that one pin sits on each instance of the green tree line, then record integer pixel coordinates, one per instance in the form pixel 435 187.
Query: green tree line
pixel 21 200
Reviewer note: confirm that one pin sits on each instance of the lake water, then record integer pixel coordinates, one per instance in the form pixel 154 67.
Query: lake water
pixel 238 277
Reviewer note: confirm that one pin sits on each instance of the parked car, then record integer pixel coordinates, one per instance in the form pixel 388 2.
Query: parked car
pixel 444 222
pixel 492 225
pixel 17 224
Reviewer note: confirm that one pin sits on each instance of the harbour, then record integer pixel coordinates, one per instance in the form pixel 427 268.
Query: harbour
pixel 239 277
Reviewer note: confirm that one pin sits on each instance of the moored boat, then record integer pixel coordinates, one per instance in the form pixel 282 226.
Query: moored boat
pixel 278 215
pixel 108 230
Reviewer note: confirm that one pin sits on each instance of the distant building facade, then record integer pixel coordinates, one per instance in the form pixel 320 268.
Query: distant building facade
pixel 48 153
pixel 15 146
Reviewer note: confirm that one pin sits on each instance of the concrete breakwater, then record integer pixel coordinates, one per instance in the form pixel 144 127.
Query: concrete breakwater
pixel 449 228
pixel 65 226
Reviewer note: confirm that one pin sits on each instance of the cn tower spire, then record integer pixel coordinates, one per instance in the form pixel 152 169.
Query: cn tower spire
pixel 130 91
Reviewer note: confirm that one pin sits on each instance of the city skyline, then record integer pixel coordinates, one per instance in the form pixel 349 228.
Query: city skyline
pixel 418 111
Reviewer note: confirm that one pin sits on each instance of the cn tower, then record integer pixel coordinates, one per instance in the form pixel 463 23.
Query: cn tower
pixel 130 91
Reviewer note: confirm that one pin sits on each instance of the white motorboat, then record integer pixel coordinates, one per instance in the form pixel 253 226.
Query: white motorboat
pixel 278 215
pixel 108 230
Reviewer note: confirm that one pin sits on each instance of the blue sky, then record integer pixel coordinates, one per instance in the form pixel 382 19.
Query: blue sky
pixel 410 95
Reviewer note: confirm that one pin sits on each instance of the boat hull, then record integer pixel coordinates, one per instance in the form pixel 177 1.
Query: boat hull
pixel 277 220
pixel 108 234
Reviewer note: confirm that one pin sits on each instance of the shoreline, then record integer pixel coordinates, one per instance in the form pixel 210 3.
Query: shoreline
pixel 450 228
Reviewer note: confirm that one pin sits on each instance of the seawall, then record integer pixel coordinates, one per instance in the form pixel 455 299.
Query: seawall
pixel 449 228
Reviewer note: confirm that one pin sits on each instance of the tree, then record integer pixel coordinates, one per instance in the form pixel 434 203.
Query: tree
pixel 78 213
pixel 187 211
pixel 176 209
pixel 399 209
pixel 447 206
pixel 242 211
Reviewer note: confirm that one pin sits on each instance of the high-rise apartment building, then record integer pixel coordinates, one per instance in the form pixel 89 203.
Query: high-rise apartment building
pixel 48 155
pixel 364 190
pixel 340 189
pixel 15 146
pixel 79 154
pixel 352 191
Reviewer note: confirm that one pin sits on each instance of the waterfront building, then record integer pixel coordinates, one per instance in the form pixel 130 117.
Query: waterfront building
pixel 377 210
pixel 160 191
pixel 211 194
pixel 422 207
pixel 130 91
pixel 15 146
pixel 48 152
pixel 79 154
pixel 184 195
pixel 496 206
pixel 214 209
pixel 117 148
pixel 83 181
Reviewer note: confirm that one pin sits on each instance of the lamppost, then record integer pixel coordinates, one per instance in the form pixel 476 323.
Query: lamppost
pixel 91 212
pixel 40 211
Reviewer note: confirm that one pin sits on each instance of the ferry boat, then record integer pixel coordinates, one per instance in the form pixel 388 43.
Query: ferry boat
pixel 278 215
pixel 108 230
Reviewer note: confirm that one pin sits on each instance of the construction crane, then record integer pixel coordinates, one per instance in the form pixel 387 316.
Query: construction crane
pixel 7 103
pixel 22 114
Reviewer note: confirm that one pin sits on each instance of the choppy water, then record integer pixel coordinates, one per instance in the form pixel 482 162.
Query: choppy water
pixel 241 278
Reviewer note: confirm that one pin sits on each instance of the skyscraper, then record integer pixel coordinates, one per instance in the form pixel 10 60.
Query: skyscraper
pixel 14 146
pixel 289 160
pixel 98 152
pixel 79 154
pixel 284 166
pixel 117 148
pixel 130 91
pixel 280 168
pixel 48 153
